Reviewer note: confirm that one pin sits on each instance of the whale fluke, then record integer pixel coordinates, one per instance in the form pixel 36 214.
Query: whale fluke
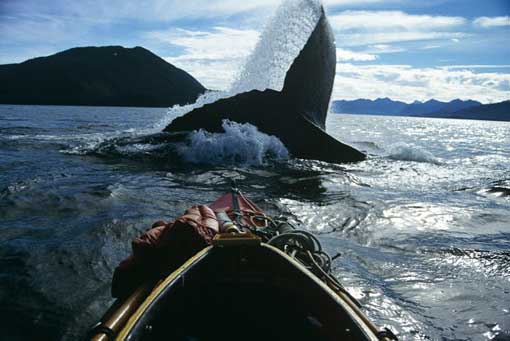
pixel 296 114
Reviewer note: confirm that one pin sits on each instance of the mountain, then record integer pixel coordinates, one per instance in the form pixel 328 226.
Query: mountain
pixel 418 108
pixel 381 106
pixel 386 106
pixel 110 75
pixel 434 108
pixel 493 112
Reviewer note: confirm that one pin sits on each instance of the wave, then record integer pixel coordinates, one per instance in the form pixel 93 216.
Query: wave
pixel 240 144
pixel 489 263
pixel 500 188
pixel 492 189
pixel 18 186
pixel 21 131
pixel 405 152
pixel 93 126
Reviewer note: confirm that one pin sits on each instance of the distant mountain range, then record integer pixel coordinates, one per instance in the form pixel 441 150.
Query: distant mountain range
pixel 110 75
pixel 492 112
pixel 468 109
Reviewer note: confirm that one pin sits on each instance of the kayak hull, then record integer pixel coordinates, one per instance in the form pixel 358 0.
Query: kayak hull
pixel 244 292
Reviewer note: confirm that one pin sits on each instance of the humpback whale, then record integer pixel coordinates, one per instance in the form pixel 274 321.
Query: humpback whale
pixel 296 114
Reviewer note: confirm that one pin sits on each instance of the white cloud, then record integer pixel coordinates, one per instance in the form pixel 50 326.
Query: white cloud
pixel 406 83
pixel 213 57
pixel 154 10
pixel 219 43
pixel 487 22
pixel 391 20
pixel 476 66
pixel 384 48
pixel 213 74
pixel 355 2
pixel 347 55
pixel 362 39
pixel 430 46
pixel 38 28
pixel 63 24
pixel 357 28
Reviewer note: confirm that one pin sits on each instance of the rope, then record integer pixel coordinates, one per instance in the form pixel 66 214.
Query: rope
pixel 304 247
pixel 299 244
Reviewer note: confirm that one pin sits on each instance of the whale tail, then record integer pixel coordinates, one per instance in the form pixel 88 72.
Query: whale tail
pixel 309 81
pixel 296 114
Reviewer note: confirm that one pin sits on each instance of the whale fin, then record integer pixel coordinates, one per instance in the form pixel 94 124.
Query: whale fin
pixel 309 81
pixel 296 115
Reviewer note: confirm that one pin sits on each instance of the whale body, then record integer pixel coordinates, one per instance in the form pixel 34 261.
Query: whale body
pixel 296 114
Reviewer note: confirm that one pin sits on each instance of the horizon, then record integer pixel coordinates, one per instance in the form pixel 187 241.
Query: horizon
pixel 398 49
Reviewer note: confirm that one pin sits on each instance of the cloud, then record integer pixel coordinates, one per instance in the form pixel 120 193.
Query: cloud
pixel 355 2
pixel 155 10
pixel 216 44
pixel 407 83
pixel 214 57
pixel 487 22
pixel 391 20
pixel 384 48
pixel 61 24
pixel 476 66
pixel 213 74
pixel 365 39
pixel 38 28
pixel 357 28
pixel 347 55
pixel 430 46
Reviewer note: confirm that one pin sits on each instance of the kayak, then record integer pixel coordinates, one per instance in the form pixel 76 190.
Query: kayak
pixel 259 279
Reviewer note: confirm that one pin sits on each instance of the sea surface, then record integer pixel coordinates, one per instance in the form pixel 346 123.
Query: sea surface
pixel 423 225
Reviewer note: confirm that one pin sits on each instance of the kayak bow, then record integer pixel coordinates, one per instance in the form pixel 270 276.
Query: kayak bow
pixel 268 282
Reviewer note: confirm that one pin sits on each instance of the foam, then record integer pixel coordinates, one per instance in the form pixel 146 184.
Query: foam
pixel 180 110
pixel 240 144
pixel 405 152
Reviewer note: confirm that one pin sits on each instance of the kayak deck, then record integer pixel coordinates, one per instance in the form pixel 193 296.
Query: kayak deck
pixel 244 293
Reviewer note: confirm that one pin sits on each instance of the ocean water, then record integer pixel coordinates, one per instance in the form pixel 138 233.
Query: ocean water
pixel 423 225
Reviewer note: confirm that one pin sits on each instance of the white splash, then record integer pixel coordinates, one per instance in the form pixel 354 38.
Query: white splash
pixel 180 110
pixel 405 152
pixel 284 36
pixel 240 144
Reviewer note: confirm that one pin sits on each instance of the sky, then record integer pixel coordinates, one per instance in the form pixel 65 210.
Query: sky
pixel 402 49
